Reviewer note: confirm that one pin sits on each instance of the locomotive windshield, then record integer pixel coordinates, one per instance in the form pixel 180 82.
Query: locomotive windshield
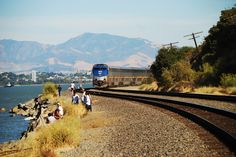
pixel 97 71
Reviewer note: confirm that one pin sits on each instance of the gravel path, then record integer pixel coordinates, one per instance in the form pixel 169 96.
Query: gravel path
pixel 125 128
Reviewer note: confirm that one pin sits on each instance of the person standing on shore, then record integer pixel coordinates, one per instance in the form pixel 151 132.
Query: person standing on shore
pixel 59 90
pixel 88 101
pixel 72 88
pixel 75 99
pixel 83 95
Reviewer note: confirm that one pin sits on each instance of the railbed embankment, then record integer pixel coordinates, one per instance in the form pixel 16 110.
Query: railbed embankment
pixel 126 128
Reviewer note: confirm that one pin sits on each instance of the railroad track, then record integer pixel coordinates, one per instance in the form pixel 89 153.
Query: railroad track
pixel 219 122
pixel 184 95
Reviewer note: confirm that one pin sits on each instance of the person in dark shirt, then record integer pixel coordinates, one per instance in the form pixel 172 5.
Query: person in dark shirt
pixel 59 90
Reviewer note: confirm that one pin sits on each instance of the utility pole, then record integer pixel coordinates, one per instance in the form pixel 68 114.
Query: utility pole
pixel 194 38
pixel 170 44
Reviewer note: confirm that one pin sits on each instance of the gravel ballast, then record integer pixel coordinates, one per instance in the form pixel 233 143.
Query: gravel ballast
pixel 127 128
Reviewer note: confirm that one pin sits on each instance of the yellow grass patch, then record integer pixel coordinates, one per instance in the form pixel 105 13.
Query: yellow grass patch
pixel 149 87
pixel 64 132
pixel 216 90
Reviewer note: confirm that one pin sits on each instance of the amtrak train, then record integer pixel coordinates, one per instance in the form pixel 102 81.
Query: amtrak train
pixel 105 76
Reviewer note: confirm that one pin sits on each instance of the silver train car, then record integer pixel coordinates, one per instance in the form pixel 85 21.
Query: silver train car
pixel 105 76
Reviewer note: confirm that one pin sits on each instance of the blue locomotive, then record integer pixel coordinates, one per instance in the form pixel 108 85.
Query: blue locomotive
pixel 100 73
pixel 105 76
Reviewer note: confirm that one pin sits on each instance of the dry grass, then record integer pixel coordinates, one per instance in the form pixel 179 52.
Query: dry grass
pixel 50 88
pixel 231 90
pixel 149 87
pixel 208 90
pixel 64 132
pixel 186 88
pixel 71 109
pixel 216 90
pixel 48 96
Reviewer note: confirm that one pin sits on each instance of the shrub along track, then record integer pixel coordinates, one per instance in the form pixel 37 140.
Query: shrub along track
pixel 219 122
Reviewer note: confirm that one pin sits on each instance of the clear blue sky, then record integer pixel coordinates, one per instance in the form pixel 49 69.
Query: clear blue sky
pixel 160 21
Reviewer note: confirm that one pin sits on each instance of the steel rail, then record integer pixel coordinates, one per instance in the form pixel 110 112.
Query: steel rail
pixel 228 139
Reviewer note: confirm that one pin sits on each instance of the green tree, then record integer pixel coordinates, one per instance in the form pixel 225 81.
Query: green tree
pixel 228 80
pixel 206 75
pixel 179 72
pixel 168 57
pixel 167 79
pixel 219 48
pixel 164 59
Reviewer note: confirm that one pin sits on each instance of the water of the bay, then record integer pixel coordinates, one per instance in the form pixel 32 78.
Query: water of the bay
pixel 12 127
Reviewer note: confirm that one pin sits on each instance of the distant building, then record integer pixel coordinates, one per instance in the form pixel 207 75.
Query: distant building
pixel 34 76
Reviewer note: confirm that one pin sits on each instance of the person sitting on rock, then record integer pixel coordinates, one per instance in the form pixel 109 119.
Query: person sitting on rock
pixel 58 114
pixel 22 106
pixel 50 119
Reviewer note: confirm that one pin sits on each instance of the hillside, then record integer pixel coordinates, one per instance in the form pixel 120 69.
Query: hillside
pixel 75 54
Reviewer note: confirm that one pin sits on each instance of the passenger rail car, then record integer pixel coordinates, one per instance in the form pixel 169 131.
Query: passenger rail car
pixel 104 76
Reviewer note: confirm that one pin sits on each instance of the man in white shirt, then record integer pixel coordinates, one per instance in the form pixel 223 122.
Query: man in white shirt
pixel 88 101
pixel 72 88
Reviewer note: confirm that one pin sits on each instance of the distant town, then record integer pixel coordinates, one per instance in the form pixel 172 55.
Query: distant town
pixel 35 77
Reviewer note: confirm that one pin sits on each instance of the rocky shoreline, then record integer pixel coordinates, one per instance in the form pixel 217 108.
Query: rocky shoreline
pixel 36 116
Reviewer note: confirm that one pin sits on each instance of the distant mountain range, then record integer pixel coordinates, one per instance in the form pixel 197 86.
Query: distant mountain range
pixel 78 53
